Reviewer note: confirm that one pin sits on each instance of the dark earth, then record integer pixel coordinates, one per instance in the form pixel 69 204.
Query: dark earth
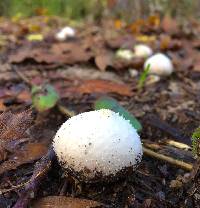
pixel 82 69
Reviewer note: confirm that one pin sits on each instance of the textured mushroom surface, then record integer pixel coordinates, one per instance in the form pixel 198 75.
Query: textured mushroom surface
pixel 160 65
pixel 97 142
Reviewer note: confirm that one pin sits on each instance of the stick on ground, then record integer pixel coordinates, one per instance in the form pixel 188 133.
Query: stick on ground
pixel 177 163
pixel 40 170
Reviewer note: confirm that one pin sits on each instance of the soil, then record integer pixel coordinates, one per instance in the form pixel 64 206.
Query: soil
pixel 168 110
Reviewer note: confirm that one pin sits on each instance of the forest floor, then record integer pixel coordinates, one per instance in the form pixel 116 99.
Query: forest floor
pixel 82 69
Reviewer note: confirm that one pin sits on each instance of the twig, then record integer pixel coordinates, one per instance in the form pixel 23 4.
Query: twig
pixel 26 80
pixel 156 122
pixel 22 76
pixel 178 145
pixel 40 170
pixel 151 145
pixel 3 191
pixel 65 111
pixel 178 163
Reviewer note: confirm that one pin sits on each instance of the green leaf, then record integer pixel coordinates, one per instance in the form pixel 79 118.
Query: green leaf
pixel 112 104
pixel 44 97
pixel 196 142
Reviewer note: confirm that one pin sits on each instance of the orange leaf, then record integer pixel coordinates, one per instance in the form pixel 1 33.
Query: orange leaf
pixel 118 24
pixel 101 86
pixel 165 42
pixel 2 106
pixel 154 20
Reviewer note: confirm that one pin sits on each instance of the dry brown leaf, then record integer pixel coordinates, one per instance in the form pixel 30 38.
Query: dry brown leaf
pixel 101 86
pixel 169 25
pixel 64 202
pixel 83 73
pixel 24 96
pixel 73 52
pixel 166 42
pixel 135 63
pixel 103 61
pixel 13 126
pixel 60 53
pixel 2 106
pixel 27 154
pixel 120 41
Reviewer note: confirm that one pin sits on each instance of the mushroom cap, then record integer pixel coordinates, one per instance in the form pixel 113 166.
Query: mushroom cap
pixel 64 33
pixel 142 50
pixel 160 65
pixel 69 31
pixel 97 144
pixel 124 54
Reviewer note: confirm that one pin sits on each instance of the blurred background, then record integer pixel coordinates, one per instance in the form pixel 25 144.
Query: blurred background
pixel 128 10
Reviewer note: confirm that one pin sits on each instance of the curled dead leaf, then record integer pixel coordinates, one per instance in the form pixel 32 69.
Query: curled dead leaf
pixel 103 61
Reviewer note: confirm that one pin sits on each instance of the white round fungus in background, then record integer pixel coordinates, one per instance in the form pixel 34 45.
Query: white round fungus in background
pixel 142 51
pixel 160 65
pixel 97 141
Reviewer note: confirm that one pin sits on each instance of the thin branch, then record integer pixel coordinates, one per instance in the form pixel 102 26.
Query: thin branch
pixel 40 170
pixel 177 163
pixel 165 127
pixel 65 111
pixel 178 145
pixel 22 76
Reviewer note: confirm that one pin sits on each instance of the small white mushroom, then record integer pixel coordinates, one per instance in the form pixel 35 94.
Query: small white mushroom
pixel 64 33
pixel 124 54
pixel 142 51
pixel 133 73
pixel 96 145
pixel 160 65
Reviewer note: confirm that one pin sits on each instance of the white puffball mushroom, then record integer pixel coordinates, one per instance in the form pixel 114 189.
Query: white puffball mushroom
pixel 160 65
pixel 124 54
pixel 64 33
pixel 142 51
pixel 97 145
